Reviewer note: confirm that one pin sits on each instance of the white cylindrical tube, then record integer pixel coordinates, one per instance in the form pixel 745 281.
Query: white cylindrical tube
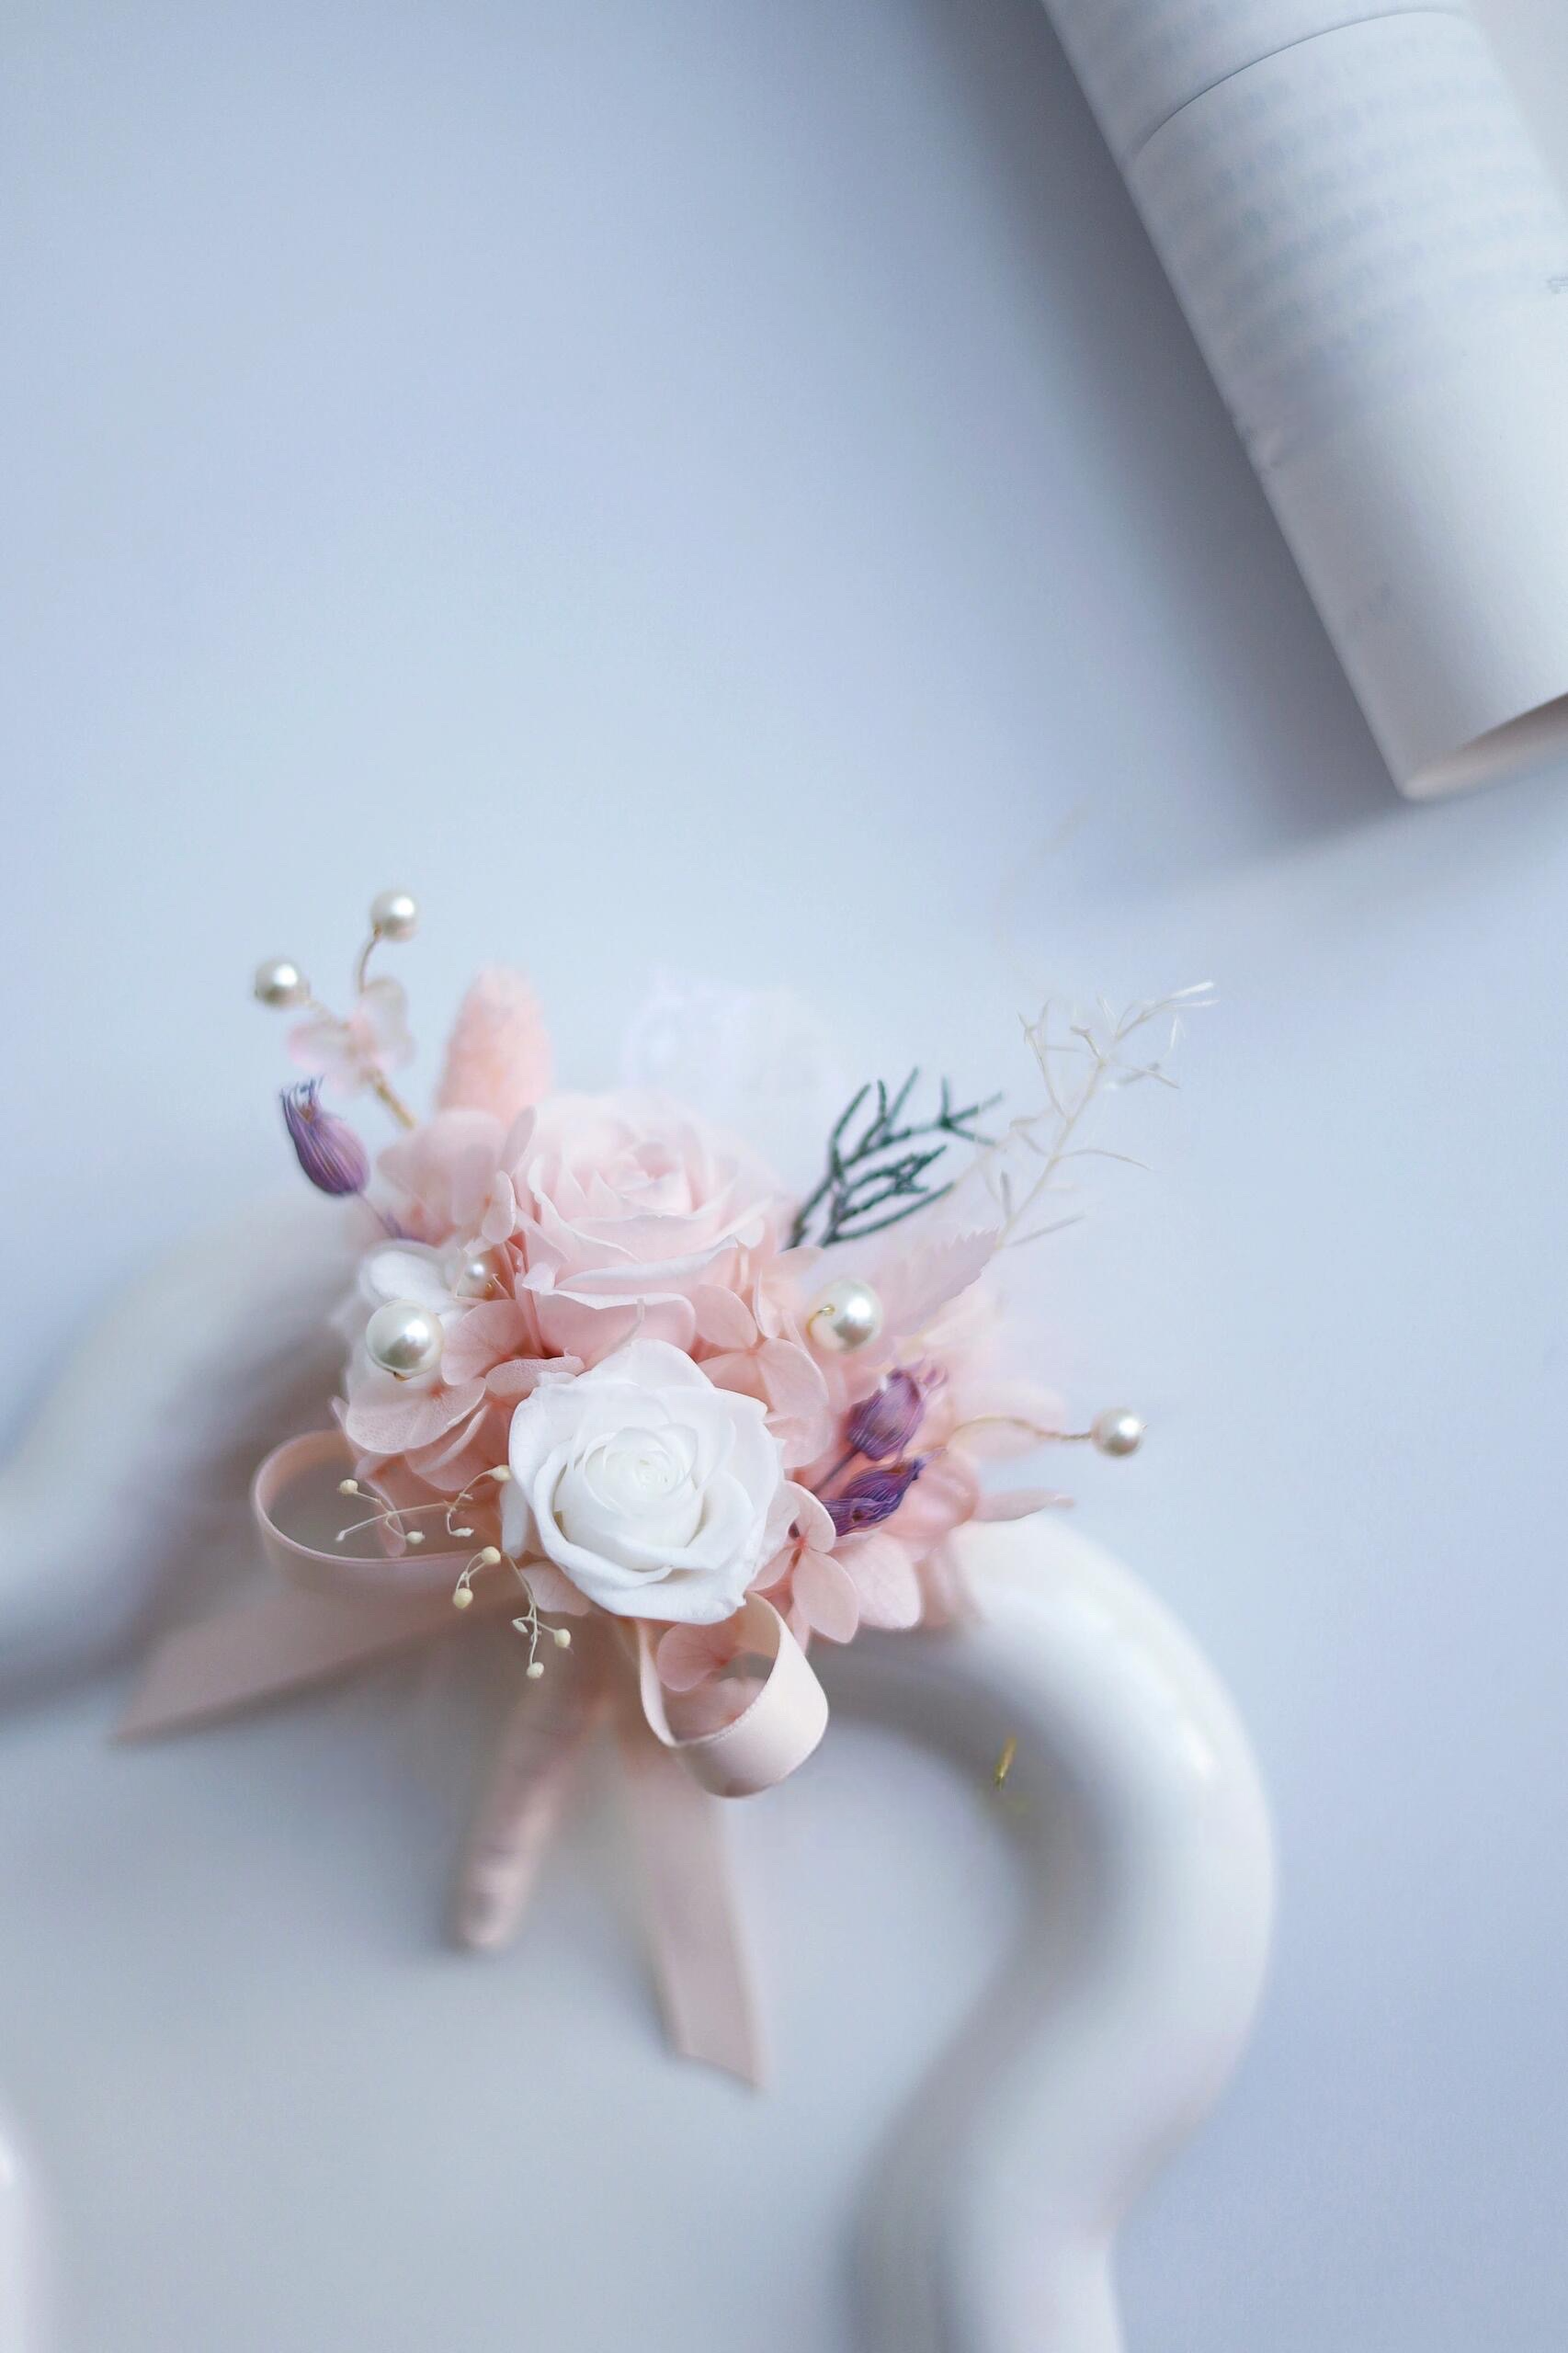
pixel 1374 261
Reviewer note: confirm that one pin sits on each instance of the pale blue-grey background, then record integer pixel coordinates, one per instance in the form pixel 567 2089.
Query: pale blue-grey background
pixel 724 483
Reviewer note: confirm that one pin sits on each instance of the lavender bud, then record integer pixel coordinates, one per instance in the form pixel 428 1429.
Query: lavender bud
pixel 872 1497
pixel 328 1150
pixel 883 1424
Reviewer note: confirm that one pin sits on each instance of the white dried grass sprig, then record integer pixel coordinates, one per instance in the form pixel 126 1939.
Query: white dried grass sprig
pixel 1081 1059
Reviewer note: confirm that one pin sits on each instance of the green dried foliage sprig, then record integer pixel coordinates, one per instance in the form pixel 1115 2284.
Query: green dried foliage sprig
pixel 880 1162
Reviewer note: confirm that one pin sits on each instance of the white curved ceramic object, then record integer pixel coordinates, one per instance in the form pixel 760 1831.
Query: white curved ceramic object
pixel 22 2273
pixel 1131 1804
pixel 1119 2019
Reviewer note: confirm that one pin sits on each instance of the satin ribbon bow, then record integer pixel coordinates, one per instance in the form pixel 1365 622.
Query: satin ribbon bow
pixel 333 1611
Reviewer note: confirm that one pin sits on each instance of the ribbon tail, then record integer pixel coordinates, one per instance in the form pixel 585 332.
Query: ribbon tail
pixel 284 1643
pixel 699 1961
pixel 530 1779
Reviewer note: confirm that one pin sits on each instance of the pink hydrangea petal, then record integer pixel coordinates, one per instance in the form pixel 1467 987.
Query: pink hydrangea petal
pixel 394 1419
pixel 812 1518
pixel 792 1378
pixel 406 1270
pixel 520 1376
pixel 775 1572
pixel 885 1581
pixel 485 1337
pixel 941 1499
pixel 500 1220
pixel 571 1326
pixel 828 1594
pixel 473 1448
pixel 555 1595
pixel 427 1166
pixel 724 1320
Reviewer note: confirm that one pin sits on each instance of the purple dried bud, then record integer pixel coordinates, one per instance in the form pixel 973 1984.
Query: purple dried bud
pixel 883 1424
pixel 329 1151
pixel 872 1497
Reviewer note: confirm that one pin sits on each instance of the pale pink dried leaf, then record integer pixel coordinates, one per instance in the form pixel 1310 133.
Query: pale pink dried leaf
pixel 1020 1502
pixel 917 1279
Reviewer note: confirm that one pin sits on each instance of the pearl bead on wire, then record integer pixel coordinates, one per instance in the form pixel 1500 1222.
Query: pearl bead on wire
pixel 403 1338
pixel 280 982
pixel 1117 1431
pixel 395 915
pixel 475 1273
pixel 848 1316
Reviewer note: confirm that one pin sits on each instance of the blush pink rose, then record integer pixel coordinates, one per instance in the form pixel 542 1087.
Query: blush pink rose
pixel 635 1217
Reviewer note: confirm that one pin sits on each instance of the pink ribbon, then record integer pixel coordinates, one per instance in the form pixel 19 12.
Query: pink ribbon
pixel 335 1612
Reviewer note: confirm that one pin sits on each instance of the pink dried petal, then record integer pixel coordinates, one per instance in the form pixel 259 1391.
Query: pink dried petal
pixel 393 1420
pixel 792 1379
pixel 454 1461
pixel 426 1167
pixel 555 1595
pixel 520 1376
pixel 776 1572
pixel 723 1320
pixel 828 1594
pixel 500 1220
pixel 944 1497
pixel 944 1589
pixel 380 1024
pixel 486 1335
pixel 812 1518
pixel 325 1047
pixel 883 1575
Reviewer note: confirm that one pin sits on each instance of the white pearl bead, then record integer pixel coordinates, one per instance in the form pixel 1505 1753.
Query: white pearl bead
pixel 281 983
pixel 395 915
pixel 848 1316
pixel 474 1273
pixel 403 1338
pixel 1117 1431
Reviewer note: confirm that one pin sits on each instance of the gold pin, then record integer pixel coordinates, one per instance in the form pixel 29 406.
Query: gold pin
pixel 1004 1762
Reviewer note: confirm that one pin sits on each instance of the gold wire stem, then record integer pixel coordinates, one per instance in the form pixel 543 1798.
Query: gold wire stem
pixel 392 1101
